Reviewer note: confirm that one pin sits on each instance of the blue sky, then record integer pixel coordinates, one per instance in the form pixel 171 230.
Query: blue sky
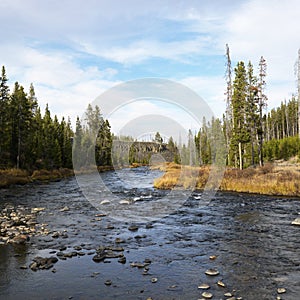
pixel 73 51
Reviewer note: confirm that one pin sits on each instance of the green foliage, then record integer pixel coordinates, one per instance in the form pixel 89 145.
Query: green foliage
pixel 4 120
pixel 158 139
pixel 282 149
pixel 28 140
pixel 92 141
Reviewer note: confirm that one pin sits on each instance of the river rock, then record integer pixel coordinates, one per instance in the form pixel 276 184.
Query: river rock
pixel 103 202
pixel 20 239
pixel 55 235
pixel 212 272
pixel 281 290
pixel 122 260
pixel 43 263
pixel 203 286
pixel 66 208
pixel 37 209
pixel 119 241
pixel 126 202
pixel 207 295
pixel 108 282
pixel 133 228
pixel 70 254
pixel 99 257
pixel 296 222
pixel 228 295
pixel 221 283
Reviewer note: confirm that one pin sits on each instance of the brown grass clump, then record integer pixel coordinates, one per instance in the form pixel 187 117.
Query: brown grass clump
pixel 13 176
pixel 16 176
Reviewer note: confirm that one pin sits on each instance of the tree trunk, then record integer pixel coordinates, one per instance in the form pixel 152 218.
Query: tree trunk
pixel 241 156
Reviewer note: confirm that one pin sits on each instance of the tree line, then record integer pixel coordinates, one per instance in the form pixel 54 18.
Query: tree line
pixel 32 141
pixel 251 135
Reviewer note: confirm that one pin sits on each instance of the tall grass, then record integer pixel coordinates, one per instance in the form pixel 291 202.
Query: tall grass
pixel 269 180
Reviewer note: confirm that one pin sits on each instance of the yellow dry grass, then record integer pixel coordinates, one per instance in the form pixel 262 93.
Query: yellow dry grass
pixel 269 180
pixel 17 176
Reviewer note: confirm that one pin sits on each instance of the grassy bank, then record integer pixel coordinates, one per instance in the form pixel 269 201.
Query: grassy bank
pixel 15 176
pixel 272 179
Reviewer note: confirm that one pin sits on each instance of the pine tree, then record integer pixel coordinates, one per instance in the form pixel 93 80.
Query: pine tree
pixel 240 134
pixel 252 110
pixel 78 159
pixel 20 119
pixel 4 120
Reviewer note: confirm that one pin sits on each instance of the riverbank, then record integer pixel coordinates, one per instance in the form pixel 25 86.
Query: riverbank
pixel 16 176
pixel 281 179
pixel 10 177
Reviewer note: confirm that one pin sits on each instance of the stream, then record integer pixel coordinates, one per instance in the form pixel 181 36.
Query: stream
pixel 249 239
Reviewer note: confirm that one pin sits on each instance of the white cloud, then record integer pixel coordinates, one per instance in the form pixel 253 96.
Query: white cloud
pixel 271 29
pixel 43 41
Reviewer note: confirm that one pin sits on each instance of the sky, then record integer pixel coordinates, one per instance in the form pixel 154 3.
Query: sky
pixel 74 51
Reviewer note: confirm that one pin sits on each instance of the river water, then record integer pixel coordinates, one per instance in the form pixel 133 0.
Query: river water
pixel 257 249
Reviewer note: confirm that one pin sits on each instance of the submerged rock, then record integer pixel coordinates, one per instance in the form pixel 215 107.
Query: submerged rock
pixel 108 282
pixel 43 263
pixel 133 228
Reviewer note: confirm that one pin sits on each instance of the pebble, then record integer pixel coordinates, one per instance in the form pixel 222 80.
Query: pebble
pixel 296 222
pixel 203 286
pixel 126 202
pixel 228 295
pixel 133 228
pixel 103 202
pixel 212 272
pixel 108 282
pixel 55 235
pixel 220 283
pixel 207 295
pixel 24 267
pixel 281 290
pixel 122 260
pixel 119 241
pixel 66 208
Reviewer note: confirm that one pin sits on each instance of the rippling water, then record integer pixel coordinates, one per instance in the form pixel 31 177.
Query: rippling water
pixel 257 249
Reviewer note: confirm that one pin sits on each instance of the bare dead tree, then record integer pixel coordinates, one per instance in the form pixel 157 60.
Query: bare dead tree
pixel 262 102
pixel 228 113
pixel 298 90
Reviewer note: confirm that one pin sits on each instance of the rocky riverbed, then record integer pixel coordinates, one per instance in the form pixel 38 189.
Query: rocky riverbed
pixel 238 247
